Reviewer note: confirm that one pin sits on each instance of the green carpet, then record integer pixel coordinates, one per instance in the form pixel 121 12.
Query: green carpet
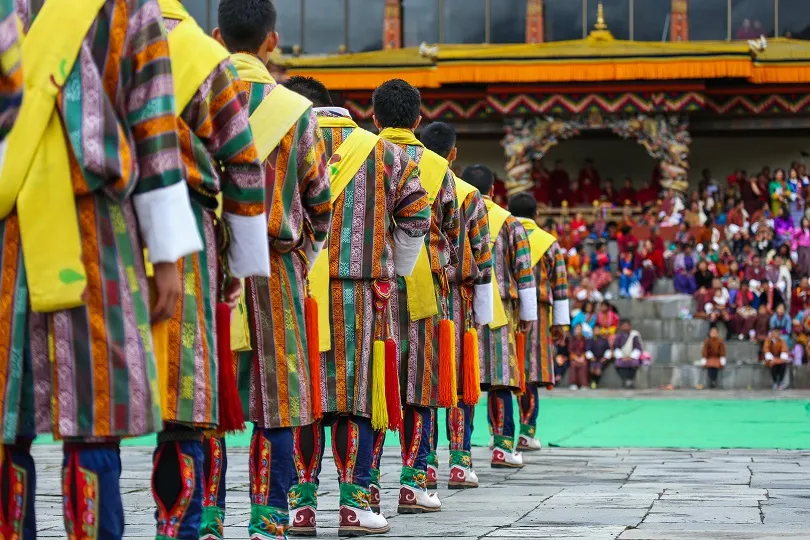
pixel 642 423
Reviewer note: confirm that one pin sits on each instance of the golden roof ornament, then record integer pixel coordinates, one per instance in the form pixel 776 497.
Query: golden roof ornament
pixel 600 30
pixel 600 18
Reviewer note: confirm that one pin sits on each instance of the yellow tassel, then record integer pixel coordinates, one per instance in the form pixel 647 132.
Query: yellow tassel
pixel 379 410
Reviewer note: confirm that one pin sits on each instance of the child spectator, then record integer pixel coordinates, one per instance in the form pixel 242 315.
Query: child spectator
pixel 598 355
pixel 745 315
pixel 647 279
pixel 607 322
pixel 600 267
pixel 627 353
pixel 585 319
pixel 561 359
pixel 629 272
pixel 684 266
pixel 777 358
pixel 577 347
pixel 703 276
pixel 714 356
pixel 762 324
pixel 781 321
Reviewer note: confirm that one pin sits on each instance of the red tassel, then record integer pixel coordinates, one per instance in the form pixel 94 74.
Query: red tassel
pixel 231 415
pixel 314 353
pixel 447 365
pixel 520 344
pixel 392 399
pixel 472 367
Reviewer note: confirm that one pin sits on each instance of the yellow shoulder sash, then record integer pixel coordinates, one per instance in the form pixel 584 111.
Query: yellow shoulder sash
pixel 497 218
pixel 419 285
pixel 353 153
pixel 539 240
pixel 36 172
pixel 463 189
pixel 275 116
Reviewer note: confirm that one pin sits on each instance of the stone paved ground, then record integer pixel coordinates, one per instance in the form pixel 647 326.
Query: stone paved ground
pixel 565 494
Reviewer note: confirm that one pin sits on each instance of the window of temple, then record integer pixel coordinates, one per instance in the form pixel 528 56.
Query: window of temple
pixel 507 21
pixel 562 20
pixel 708 20
pixel 464 21
pixel 288 24
pixel 651 20
pixel 617 16
pixel 324 26
pixel 420 22
pixel 366 18
pixel 794 18
pixel 753 18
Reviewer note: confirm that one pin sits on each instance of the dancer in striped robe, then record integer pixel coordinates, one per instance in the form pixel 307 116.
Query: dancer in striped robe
pixel 380 219
pixel 515 288
pixel 86 370
pixel 553 315
pixel 396 114
pixel 470 300
pixel 220 158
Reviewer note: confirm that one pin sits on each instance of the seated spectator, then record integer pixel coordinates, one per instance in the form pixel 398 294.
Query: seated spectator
pixel 800 245
pixel 648 275
pixel 626 239
pixel 703 277
pixel 781 321
pixel 801 335
pixel 629 273
pixel 714 356
pixel 586 292
pixel 600 267
pixel 585 319
pixel 777 358
pixel 756 270
pixel 684 266
pixel 627 353
pixel 577 347
pixel 693 217
pixel 574 264
pixel 561 359
pixel 598 355
pixel 607 322
pixel 579 225
pixel 745 314
pixel 646 195
pixel 783 228
pixel 717 310
pixel 627 195
pixel 800 296
pixel 762 324
pixel 684 235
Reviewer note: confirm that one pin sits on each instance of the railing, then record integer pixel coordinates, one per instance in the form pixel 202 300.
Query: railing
pixel 589 213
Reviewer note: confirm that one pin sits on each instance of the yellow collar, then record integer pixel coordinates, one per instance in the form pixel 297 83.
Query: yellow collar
pixel 251 69
pixel 400 136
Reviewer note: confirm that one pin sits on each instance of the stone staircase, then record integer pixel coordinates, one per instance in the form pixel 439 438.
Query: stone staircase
pixel 676 344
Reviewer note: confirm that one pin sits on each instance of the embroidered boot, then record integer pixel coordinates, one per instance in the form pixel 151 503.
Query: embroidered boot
pixel 432 470
pixel 503 456
pixel 526 440
pixel 413 495
pixel 356 517
pixel 268 523
pixel 303 501
pixel 462 476
pixel 374 490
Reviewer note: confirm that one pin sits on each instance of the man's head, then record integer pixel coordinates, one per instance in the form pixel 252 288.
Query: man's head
pixel 625 325
pixel 248 26
pixel 441 138
pixel 523 205
pixel 558 165
pixel 310 88
pixel 628 183
pixel 775 333
pixel 713 332
pixel 480 177
pixel 396 105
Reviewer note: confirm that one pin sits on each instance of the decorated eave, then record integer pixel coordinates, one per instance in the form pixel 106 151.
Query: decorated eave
pixel 598 58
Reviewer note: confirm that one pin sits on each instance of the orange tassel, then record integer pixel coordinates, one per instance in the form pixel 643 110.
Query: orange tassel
pixel 314 354
pixel 472 367
pixel 520 344
pixel 392 399
pixel 231 415
pixel 447 365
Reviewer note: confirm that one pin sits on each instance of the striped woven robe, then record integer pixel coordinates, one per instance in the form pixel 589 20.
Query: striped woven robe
pixel 512 268
pixel 11 84
pixel 385 197
pixel 551 278
pixel 419 340
pixel 219 156
pixel 473 272
pixel 93 371
pixel 274 377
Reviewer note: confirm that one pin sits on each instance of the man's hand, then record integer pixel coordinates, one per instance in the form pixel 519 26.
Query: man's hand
pixel 167 291
pixel 557 335
pixel 233 290
pixel 525 326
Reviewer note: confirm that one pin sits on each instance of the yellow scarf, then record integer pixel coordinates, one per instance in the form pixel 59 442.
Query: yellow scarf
pixel 251 69
pixel 336 122
pixel 400 136
pixel 173 9
pixel 539 240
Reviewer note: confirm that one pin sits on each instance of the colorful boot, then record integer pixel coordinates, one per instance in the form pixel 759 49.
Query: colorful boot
pixel 526 440
pixel 374 490
pixel 413 494
pixel 503 455
pixel 272 474
pixel 268 523
pixel 356 516
pixel 177 485
pixel 214 466
pixel 432 470
pixel 462 475
pixel 303 500
pixel 18 474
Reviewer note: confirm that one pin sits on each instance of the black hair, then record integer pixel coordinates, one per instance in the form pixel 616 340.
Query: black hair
pixel 523 205
pixel 310 88
pixel 396 104
pixel 480 177
pixel 439 137
pixel 624 321
pixel 245 24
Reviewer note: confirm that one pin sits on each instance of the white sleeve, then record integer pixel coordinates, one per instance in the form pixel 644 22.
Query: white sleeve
pixel 722 360
pixel 560 313
pixel 784 356
pixel 589 355
pixel 636 354
pixel 483 303
pixel 768 356
pixel 249 252
pixel 703 361
pixel 618 354
pixel 608 354
pixel 167 223
pixel 406 251
pixel 582 295
pixel 528 304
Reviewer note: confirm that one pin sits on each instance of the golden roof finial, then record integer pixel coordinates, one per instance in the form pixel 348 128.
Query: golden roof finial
pixel 600 18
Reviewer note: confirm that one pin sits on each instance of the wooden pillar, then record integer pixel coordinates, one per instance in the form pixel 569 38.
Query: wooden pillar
pixel 679 26
pixel 534 21
pixel 392 25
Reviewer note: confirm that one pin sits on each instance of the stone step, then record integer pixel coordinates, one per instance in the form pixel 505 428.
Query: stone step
pixel 733 377
pixel 671 306
pixel 664 286
pixel 687 353
pixel 676 330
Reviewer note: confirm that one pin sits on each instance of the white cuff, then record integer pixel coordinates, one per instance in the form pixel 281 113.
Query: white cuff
pixel 608 354
pixel 768 356
pixel 794 257
pixel 722 360
pixel 167 224
pixel 589 355
pixel 582 295
pixel 636 354
pixel 703 361
pixel 560 313
pixel 784 356
pixel 249 252
pixel 312 251
pixel 618 354
pixel 406 251
pixel 528 304
pixel 483 304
